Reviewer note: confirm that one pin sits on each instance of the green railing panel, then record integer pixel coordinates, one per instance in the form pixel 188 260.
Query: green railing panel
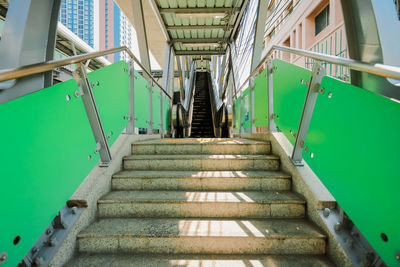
pixel 354 141
pixel 237 113
pixel 46 142
pixel 166 112
pixel 156 108
pixel 290 89
pixel 261 99
pixel 246 108
pixel 110 87
pixel 141 101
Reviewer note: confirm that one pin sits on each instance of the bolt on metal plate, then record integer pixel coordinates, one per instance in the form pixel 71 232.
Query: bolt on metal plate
pixel 398 256
pixel 3 257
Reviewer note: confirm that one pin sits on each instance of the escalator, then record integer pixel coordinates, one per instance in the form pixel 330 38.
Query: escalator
pixel 202 122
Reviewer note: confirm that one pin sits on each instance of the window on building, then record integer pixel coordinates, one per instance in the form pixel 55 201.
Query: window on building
pixel 322 20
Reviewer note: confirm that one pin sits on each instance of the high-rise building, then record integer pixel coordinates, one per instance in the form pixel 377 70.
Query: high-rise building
pixel 114 29
pixel 78 16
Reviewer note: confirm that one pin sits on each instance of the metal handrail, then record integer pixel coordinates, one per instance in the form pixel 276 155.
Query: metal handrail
pixel 36 68
pixel 377 68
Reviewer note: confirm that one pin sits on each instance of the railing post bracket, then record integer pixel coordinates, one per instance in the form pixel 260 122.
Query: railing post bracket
pixel 317 74
pixel 92 113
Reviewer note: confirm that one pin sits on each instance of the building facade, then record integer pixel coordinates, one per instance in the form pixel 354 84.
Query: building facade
pixel 114 29
pixel 78 17
pixel 315 25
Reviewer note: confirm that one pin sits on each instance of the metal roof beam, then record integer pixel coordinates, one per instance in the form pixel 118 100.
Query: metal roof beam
pixel 198 40
pixel 198 10
pixel 238 19
pixel 199 27
pixel 200 53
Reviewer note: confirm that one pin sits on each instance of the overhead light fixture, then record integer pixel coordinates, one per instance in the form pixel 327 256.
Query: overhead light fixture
pixel 200 15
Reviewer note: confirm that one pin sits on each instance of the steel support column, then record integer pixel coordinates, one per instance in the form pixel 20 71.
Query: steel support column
pixel 271 123
pixel 371 40
pixel 150 129
pixel 82 80
pixel 29 37
pixel 140 27
pixel 181 83
pixel 130 128
pixel 315 81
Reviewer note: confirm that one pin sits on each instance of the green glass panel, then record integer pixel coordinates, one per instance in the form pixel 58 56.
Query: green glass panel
pixel 141 101
pixel 237 113
pixel 110 87
pixel 290 89
pixel 246 109
pixel 46 142
pixel 354 138
pixel 261 99
pixel 156 108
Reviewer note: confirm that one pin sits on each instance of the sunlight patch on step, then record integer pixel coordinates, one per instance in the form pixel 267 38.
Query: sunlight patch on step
pixel 215 228
pixel 217 197
pixel 218 263
pixel 220 174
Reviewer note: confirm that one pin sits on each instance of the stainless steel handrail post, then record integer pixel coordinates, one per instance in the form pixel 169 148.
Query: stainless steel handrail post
pixel 241 116
pixel 312 93
pixel 130 128
pixel 161 115
pixel 89 102
pixel 270 78
pixel 150 129
pixel 252 106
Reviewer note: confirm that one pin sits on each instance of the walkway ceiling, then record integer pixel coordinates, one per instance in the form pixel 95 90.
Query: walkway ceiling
pixel 200 27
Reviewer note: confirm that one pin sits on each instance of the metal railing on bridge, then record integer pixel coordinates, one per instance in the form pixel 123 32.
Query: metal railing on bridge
pixel 347 135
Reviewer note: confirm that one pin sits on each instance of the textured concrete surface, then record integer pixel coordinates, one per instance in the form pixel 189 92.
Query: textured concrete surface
pixel 200 261
pixel 213 146
pixel 247 204
pixel 271 236
pixel 201 180
pixel 204 197
pixel 95 185
pixel 202 162
pixel 306 183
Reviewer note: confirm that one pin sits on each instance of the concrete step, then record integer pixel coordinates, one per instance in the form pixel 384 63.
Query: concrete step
pixel 206 204
pixel 191 236
pixel 202 162
pixel 154 260
pixel 203 180
pixel 214 146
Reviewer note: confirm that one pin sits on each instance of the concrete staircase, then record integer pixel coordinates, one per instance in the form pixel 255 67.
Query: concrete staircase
pixel 201 202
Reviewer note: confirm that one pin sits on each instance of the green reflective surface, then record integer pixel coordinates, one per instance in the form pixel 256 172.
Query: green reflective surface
pixel 141 101
pixel 156 108
pixel 46 142
pixel 110 87
pixel 290 89
pixel 354 141
pixel 246 108
pixel 261 99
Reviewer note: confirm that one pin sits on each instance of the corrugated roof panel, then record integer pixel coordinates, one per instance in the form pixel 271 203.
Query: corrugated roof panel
pixel 168 19
pixel 200 33
pixel 186 33
pixel 193 33
pixel 219 3
pixel 207 33
pixel 192 3
pixel 173 34
pixel 172 4
pixel 163 3
pixel 180 34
